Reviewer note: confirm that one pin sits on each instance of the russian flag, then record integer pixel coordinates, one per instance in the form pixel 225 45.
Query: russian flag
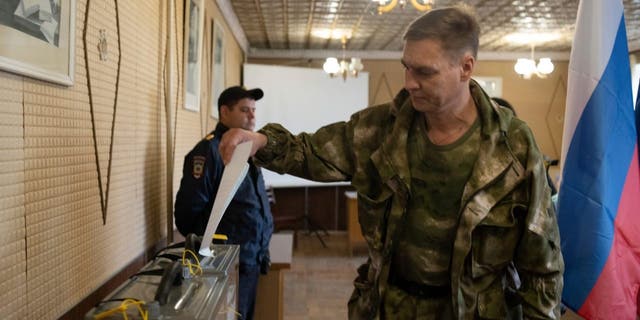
pixel 599 198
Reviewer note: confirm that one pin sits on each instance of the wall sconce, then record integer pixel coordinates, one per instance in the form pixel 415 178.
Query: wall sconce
pixel 527 67
pixel 388 5
pixel 343 67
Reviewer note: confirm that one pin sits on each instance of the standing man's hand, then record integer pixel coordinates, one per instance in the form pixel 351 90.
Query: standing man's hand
pixel 236 136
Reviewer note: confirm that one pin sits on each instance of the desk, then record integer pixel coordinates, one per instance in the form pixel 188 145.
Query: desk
pixel 355 238
pixel 270 297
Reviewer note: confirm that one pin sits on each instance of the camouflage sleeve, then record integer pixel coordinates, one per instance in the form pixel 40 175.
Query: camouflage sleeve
pixel 538 258
pixel 325 155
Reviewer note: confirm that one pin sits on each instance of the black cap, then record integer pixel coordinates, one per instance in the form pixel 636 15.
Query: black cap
pixel 231 95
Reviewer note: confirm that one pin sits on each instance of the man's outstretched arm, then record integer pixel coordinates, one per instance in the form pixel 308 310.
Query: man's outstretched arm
pixel 236 136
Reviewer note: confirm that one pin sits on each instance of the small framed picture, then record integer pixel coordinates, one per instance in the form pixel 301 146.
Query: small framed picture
pixel 193 36
pixel 217 65
pixel 37 39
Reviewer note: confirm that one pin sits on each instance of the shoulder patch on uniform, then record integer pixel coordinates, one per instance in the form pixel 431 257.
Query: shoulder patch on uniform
pixel 209 136
pixel 198 166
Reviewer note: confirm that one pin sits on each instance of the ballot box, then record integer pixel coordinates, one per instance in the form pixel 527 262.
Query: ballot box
pixel 174 285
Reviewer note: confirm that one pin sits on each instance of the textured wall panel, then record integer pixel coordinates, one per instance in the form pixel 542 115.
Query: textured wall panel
pixel 189 129
pixel 61 193
pixel 70 252
pixel 55 249
pixel 13 289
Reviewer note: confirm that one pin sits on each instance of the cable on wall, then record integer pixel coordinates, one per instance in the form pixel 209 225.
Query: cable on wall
pixel 178 85
pixel 104 194
pixel 171 137
pixel 171 123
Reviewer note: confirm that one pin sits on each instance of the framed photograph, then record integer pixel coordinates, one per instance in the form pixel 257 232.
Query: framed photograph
pixel 217 65
pixel 37 38
pixel 193 36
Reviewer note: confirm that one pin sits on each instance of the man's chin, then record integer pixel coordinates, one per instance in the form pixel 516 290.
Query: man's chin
pixel 418 101
pixel 419 104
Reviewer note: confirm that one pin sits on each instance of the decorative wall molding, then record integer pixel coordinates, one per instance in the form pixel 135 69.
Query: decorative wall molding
pixel 103 177
pixel 555 118
pixel 388 55
pixel 382 80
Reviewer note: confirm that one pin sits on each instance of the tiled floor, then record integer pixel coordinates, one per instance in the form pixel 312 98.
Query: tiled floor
pixel 319 283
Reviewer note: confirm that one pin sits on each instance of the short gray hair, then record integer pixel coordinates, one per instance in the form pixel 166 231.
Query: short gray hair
pixel 456 28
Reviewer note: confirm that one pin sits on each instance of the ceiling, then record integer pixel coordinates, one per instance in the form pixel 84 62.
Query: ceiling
pixel 288 28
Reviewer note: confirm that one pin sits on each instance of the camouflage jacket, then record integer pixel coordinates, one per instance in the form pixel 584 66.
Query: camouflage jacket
pixel 506 211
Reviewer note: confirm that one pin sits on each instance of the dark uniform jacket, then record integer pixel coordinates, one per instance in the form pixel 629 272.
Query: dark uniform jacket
pixel 506 214
pixel 247 221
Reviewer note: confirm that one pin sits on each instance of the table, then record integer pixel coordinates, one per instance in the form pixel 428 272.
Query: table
pixel 354 233
pixel 270 297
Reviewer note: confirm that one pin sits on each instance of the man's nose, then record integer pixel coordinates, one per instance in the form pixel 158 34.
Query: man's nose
pixel 409 81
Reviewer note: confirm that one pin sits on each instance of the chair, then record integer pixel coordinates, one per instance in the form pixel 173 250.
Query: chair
pixel 293 222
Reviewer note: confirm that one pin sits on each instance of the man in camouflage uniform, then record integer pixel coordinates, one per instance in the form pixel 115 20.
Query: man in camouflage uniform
pixel 452 191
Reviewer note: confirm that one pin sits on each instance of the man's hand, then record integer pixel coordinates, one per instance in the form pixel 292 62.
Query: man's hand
pixel 236 136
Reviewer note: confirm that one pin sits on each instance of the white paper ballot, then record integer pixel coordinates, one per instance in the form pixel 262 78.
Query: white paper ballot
pixel 234 173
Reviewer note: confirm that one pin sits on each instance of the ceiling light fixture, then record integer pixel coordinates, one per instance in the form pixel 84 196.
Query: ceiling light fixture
pixel 388 5
pixel 331 33
pixel 526 67
pixel 343 67
pixel 537 37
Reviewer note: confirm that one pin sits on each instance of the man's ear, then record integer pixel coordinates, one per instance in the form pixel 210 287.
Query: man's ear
pixel 467 64
pixel 224 110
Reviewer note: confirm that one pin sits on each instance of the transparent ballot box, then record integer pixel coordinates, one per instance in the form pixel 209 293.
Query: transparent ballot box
pixel 178 284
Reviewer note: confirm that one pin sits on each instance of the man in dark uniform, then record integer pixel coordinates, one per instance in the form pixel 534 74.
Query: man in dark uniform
pixel 247 221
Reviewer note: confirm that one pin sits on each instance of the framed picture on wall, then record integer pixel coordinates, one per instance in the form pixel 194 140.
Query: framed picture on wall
pixel 37 39
pixel 193 36
pixel 217 65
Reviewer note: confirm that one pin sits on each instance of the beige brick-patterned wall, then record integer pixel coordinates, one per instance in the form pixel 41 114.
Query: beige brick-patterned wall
pixel 13 276
pixel 54 248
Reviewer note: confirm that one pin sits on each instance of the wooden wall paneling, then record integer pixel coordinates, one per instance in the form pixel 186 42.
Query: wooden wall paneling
pixel 322 203
pixel 289 202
